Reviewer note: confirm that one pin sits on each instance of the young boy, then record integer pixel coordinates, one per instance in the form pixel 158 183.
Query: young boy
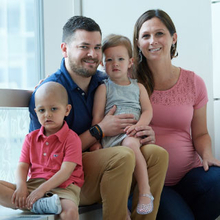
pixel 129 97
pixel 52 156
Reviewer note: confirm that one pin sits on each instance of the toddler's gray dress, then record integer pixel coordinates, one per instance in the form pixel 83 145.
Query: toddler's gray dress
pixel 127 100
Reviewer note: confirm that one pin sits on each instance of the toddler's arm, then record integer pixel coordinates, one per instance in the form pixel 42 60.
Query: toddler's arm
pixel 146 112
pixel 99 103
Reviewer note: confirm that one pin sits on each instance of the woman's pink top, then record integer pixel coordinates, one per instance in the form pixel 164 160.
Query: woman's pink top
pixel 172 117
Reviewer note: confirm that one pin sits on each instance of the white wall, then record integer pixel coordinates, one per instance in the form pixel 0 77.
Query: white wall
pixel 216 73
pixel 191 18
pixel 56 13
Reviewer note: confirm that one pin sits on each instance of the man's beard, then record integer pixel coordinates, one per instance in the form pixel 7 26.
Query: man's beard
pixel 82 71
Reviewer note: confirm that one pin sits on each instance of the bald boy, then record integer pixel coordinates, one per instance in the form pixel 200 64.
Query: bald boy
pixel 52 158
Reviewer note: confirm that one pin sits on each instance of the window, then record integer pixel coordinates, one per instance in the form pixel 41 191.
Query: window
pixel 20 68
pixel 19 43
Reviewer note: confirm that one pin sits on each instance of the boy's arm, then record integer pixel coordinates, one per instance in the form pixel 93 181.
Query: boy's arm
pixel 21 192
pixel 61 176
pixel 57 179
pixel 146 111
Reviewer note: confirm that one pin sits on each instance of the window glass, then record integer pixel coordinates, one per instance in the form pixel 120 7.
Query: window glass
pixel 19 69
pixel 13 128
pixel 18 40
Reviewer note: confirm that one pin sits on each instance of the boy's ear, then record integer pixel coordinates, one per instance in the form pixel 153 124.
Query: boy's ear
pixel 68 109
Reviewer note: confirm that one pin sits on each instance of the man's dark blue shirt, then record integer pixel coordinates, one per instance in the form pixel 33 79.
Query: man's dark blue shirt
pixel 80 117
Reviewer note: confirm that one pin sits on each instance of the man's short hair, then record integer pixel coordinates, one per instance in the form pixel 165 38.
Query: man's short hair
pixel 78 23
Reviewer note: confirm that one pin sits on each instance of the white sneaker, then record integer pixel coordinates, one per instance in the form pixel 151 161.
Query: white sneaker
pixel 49 205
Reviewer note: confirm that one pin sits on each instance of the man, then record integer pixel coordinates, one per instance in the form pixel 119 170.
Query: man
pixel 108 172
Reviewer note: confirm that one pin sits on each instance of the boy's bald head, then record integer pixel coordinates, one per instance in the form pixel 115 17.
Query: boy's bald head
pixel 52 89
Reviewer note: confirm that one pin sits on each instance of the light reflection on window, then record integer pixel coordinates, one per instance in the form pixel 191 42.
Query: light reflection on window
pixel 18 40
pixel 18 70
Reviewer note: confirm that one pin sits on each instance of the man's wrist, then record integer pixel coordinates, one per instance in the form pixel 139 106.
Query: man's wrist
pixel 96 132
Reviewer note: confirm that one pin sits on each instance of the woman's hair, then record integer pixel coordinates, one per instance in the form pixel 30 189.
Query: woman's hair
pixel 142 71
pixel 114 40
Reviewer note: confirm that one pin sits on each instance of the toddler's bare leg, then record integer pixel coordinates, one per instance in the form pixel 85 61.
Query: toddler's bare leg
pixel 141 175
pixel 140 171
pixel 157 162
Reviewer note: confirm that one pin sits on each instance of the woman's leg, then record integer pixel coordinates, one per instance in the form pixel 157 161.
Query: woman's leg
pixel 201 190
pixel 173 206
pixel 108 175
pixel 157 163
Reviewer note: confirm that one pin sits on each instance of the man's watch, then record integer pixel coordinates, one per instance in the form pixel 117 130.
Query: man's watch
pixel 96 132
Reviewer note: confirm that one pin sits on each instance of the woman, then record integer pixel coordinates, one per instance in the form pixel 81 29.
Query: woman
pixel 179 99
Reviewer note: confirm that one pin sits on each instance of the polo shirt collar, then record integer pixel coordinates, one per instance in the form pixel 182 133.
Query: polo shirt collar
pixel 61 134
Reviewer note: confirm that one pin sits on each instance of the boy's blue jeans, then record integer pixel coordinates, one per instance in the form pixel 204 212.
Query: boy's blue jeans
pixel 196 196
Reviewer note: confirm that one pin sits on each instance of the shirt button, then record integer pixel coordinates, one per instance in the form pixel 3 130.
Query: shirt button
pixel 47 143
pixel 78 88
pixel 83 93
pixel 45 154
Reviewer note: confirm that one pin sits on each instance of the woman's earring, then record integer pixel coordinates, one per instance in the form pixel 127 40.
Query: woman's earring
pixel 174 53
pixel 140 56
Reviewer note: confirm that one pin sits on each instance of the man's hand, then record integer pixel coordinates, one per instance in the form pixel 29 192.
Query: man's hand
pixel 41 81
pixel 112 125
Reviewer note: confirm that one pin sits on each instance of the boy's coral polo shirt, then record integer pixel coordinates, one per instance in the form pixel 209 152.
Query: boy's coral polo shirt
pixel 46 154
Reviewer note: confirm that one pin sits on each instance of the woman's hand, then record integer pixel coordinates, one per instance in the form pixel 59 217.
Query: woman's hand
pixel 210 161
pixel 146 134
